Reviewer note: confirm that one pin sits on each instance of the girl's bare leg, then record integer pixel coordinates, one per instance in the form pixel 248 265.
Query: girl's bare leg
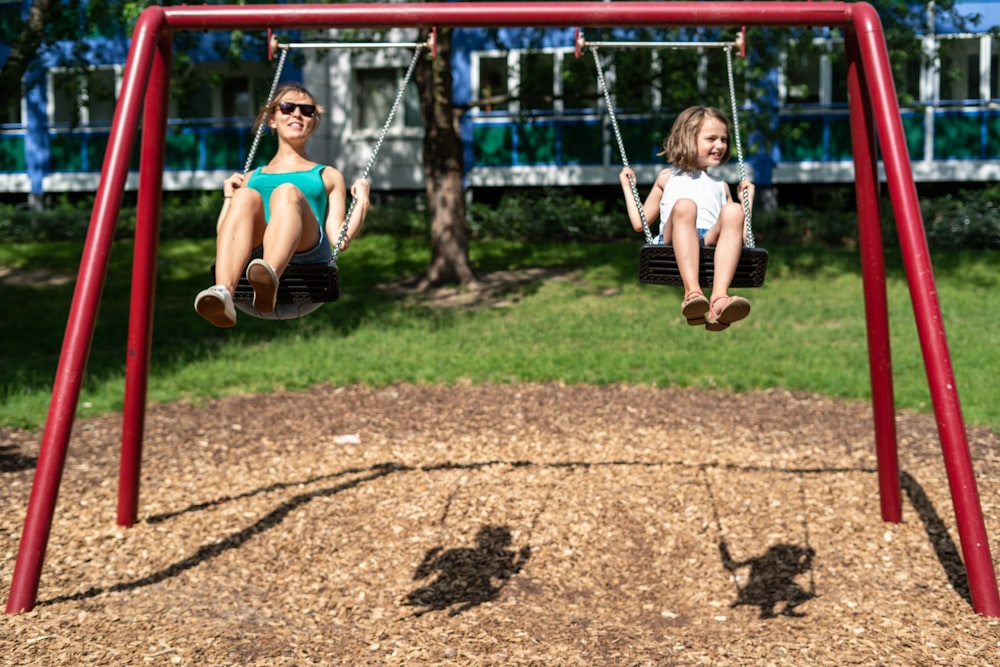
pixel 683 235
pixel 727 236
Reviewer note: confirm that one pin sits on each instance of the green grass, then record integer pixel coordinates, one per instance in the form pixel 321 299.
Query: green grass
pixel 595 325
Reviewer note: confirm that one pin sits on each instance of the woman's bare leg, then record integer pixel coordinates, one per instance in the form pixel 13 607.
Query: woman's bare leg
pixel 239 233
pixel 292 227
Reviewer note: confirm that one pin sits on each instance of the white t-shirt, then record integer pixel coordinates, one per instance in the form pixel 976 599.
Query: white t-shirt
pixel 707 192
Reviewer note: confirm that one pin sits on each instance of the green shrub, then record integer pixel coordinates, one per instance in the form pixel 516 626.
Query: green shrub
pixel 64 221
pixel 791 225
pixel 191 216
pixel 398 216
pixel 547 214
pixel 969 219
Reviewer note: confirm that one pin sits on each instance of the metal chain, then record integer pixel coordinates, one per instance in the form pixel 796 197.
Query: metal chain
pixel 621 143
pixel 263 118
pixel 739 147
pixel 378 144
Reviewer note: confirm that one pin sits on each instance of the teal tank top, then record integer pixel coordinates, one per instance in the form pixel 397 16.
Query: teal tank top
pixel 310 182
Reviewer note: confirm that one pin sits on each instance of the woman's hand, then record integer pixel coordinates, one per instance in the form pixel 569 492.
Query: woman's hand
pixel 231 185
pixel 627 176
pixel 361 189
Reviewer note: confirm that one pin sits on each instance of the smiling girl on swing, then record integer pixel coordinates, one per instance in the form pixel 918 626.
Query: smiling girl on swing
pixel 697 209
pixel 285 212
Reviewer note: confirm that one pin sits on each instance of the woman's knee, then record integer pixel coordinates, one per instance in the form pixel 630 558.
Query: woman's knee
pixel 247 200
pixel 287 194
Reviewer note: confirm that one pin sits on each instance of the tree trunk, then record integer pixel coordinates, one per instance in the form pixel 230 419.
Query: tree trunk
pixel 443 170
pixel 26 46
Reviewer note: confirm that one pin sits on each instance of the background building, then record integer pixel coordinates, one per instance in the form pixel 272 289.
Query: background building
pixel 532 112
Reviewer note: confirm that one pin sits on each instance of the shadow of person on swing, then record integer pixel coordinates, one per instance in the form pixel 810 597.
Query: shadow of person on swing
pixel 12 460
pixel 467 577
pixel 772 579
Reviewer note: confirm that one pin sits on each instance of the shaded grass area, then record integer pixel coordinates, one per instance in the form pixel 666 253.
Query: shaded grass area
pixel 593 324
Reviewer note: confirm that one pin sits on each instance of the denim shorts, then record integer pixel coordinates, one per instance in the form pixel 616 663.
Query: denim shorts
pixel 321 253
pixel 701 237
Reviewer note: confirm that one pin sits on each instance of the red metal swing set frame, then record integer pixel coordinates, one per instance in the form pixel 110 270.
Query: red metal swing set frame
pixel 874 112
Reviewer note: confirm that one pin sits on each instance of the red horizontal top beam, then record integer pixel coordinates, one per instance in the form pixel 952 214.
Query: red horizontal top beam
pixel 509 14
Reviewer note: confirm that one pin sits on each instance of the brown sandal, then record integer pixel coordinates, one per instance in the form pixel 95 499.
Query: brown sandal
pixel 694 308
pixel 735 309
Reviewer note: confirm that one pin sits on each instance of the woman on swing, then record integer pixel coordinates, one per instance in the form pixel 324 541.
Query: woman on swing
pixel 285 212
pixel 697 209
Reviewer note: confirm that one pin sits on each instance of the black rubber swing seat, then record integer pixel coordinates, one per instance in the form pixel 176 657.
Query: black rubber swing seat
pixel 299 284
pixel 658 266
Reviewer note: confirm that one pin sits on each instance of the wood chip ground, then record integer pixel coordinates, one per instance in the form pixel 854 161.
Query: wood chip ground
pixel 501 525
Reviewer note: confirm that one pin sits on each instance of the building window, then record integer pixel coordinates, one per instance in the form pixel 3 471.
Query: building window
pixel 579 82
pixel 994 69
pixel 632 72
pixel 376 90
pixel 536 81
pixel 237 98
pixel 213 95
pixel 101 95
pixel 682 76
pixel 10 110
pixel 194 100
pixel 838 77
pixel 494 93
pixel 907 71
pixel 960 69
pixel 801 75
pixel 816 75
pixel 83 99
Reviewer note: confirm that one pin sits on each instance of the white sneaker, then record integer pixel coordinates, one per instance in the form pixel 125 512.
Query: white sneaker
pixel 215 304
pixel 264 282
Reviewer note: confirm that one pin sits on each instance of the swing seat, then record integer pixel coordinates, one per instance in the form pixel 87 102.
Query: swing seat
pixel 302 289
pixel 658 266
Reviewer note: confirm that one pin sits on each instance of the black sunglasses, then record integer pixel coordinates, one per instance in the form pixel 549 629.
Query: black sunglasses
pixel 288 107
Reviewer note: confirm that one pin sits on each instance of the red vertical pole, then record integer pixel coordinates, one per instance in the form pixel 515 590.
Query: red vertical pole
pixel 927 312
pixel 147 236
pixel 80 327
pixel 873 275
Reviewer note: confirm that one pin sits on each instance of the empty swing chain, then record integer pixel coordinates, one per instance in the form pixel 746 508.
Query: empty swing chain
pixel 621 143
pixel 739 146
pixel 378 143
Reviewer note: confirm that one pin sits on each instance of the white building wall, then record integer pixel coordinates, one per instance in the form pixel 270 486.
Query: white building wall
pixel 340 142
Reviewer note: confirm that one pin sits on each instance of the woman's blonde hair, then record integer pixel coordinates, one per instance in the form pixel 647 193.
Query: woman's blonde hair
pixel 681 145
pixel 267 111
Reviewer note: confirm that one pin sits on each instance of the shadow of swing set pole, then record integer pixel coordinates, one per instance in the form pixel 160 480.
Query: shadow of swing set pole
pixel 874 113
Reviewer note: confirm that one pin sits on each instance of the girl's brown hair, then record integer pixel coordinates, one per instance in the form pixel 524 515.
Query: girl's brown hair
pixel 268 110
pixel 681 145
